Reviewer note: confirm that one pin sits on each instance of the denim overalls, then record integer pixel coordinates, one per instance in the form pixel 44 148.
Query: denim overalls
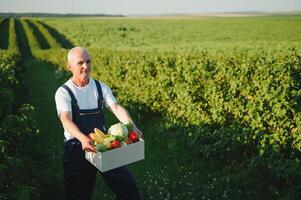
pixel 79 174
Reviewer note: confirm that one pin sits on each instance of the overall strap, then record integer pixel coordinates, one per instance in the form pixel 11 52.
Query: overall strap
pixel 100 97
pixel 73 99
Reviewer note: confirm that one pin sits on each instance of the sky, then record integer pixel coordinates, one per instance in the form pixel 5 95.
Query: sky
pixel 147 7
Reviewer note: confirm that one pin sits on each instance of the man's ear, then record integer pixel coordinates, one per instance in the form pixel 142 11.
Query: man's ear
pixel 69 66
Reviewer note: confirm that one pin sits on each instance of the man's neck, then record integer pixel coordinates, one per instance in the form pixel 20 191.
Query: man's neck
pixel 80 82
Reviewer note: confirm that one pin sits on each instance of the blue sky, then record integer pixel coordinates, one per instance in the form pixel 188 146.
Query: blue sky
pixel 147 7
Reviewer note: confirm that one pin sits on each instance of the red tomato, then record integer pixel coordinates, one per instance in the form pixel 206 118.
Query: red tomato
pixel 115 144
pixel 134 136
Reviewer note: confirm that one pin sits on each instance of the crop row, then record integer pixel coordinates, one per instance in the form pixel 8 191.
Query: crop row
pixel 17 123
pixel 259 92
pixel 235 108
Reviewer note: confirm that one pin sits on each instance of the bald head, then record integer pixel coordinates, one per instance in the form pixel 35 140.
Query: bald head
pixel 79 63
pixel 75 51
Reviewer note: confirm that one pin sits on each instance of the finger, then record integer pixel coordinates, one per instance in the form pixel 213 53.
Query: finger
pixel 92 148
pixel 91 143
pixel 89 148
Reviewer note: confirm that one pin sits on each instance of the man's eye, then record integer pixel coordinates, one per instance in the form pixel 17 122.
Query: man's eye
pixel 80 63
pixel 88 61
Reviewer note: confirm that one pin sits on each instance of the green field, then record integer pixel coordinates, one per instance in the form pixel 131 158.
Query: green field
pixel 217 98
pixel 183 34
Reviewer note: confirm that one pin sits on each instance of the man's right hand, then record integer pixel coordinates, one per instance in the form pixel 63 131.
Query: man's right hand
pixel 87 144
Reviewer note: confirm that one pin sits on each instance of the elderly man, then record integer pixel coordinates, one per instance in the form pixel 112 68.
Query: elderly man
pixel 79 104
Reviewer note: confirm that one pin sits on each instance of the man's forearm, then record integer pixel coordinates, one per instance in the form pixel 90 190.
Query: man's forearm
pixel 123 115
pixel 73 129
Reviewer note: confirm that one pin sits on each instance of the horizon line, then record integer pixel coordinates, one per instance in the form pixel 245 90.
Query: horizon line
pixel 162 14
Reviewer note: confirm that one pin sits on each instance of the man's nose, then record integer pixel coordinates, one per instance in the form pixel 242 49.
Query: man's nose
pixel 86 65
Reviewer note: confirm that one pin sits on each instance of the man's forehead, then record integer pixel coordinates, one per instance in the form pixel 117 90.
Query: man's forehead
pixel 80 56
pixel 78 53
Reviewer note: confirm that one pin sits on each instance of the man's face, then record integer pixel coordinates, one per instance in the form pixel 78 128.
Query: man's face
pixel 80 65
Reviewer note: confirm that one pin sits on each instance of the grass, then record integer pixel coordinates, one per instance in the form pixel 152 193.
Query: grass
pixel 41 85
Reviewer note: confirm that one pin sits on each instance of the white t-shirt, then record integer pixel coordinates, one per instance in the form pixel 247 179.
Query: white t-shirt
pixel 86 97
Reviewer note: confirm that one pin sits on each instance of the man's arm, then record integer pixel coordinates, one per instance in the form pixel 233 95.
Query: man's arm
pixel 123 115
pixel 71 127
